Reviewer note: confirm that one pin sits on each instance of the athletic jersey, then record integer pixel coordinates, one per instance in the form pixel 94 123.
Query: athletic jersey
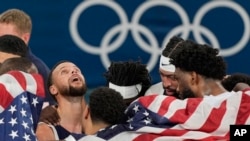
pixel 155 89
pixel 60 133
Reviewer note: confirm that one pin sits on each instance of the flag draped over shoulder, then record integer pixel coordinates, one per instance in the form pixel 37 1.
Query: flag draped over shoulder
pixel 21 99
pixel 164 118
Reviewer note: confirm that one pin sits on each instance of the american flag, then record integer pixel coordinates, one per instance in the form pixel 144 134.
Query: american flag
pixel 21 98
pixel 164 118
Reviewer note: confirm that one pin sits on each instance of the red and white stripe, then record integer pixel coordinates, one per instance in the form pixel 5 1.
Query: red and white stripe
pixel 14 83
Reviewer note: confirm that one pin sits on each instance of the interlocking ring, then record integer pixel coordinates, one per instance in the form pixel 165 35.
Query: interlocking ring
pixel 153 46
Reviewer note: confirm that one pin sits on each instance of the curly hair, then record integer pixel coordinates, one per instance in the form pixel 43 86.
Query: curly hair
pixel 129 73
pixel 229 82
pixel 106 105
pixel 203 59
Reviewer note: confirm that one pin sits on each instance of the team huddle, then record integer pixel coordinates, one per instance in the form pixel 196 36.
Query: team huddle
pixel 195 100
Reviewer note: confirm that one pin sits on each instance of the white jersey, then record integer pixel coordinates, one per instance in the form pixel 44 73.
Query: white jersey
pixel 155 89
pixel 214 100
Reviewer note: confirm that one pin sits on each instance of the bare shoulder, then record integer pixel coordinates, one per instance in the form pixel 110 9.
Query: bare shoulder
pixel 44 132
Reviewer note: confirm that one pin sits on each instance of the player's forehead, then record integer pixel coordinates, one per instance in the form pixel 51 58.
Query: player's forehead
pixel 65 65
pixel 164 72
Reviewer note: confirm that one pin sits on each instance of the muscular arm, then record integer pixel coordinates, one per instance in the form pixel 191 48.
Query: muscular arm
pixel 44 132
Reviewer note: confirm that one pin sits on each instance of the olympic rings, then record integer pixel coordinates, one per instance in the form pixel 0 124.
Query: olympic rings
pixel 153 47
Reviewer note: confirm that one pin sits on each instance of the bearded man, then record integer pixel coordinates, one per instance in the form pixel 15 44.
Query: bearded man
pixel 67 86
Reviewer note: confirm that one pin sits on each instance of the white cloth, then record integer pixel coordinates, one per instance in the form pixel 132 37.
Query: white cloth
pixel 127 91
pixel 214 100
pixel 90 138
pixel 155 89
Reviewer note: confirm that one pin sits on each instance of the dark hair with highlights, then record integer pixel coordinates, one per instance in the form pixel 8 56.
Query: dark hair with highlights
pixel 171 45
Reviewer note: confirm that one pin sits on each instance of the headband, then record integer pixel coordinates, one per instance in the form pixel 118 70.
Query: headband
pixel 127 91
pixel 165 64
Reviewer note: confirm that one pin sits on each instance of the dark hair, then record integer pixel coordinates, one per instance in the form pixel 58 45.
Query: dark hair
pixel 172 44
pixel 106 105
pixel 13 45
pixel 129 73
pixel 16 63
pixel 203 59
pixel 229 82
pixel 49 80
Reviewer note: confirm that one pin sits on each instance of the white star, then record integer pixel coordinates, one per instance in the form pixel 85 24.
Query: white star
pixel 24 100
pixel 13 134
pixel 26 137
pixel 25 125
pixel 12 109
pixel 102 129
pixel 31 118
pixel 23 112
pixel 147 121
pixel 13 121
pixel 130 119
pixel 1 121
pixel 146 113
pixel 112 127
pixel 136 108
pixel 34 102
pixel 32 131
pixel 126 110
pixel 130 126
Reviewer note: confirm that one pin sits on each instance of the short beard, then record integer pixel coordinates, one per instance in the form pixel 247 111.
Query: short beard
pixel 74 92
pixel 187 93
pixel 177 95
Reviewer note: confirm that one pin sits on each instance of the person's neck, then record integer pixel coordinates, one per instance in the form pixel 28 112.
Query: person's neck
pixel 95 128
pixel 213 87
pixel 70 112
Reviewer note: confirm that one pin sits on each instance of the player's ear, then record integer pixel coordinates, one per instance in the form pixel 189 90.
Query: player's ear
pixel 53 90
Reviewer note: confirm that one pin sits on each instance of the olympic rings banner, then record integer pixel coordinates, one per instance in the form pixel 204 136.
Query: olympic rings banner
pixel 92 33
